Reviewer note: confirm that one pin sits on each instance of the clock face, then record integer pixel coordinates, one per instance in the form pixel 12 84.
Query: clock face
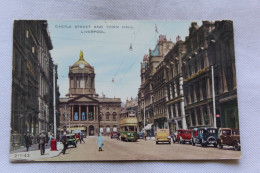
pixel 81 65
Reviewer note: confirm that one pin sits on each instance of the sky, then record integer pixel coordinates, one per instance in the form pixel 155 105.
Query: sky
pixel 107 49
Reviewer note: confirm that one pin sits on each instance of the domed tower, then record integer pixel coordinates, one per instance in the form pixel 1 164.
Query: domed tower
pixel 81 78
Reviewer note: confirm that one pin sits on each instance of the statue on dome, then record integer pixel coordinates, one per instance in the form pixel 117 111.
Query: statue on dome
pixel 81 55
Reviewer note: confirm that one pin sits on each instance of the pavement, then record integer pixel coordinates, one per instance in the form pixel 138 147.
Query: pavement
pixel 21 155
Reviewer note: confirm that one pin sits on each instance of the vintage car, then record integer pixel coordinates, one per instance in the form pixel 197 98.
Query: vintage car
pixel 140 135
pixel 71 140
pixel 229 137
pixel 183 135
pixel 162 135
pixel 194 134
pixel 207 136
pixel 113 135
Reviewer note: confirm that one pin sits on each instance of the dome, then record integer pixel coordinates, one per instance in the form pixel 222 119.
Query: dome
pixel 82 64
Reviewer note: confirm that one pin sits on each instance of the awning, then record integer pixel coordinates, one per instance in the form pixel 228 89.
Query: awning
pixel 148 127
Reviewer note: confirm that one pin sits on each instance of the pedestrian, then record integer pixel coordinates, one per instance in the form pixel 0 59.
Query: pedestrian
pixel 100 142
pixel 81 138
pixel 64 142
pixel 118 135
pixel 46 138
pixel 27 140
pixel 51 137
pixel 42 142
pixel 145 134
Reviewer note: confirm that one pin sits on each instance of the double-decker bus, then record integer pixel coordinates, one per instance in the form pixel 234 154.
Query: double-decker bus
pixel 128 127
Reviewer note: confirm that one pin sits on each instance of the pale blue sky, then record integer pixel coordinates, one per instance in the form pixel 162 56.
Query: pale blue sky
pixel 109 52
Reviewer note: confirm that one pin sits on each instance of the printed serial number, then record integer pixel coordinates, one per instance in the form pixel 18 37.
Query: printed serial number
pixel 21 155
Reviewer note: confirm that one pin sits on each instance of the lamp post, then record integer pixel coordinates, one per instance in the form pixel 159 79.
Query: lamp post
pixel 54 100
pixel 213 97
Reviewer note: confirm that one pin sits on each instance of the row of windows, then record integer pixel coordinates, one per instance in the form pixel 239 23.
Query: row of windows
pixel 83 117
pixel 80 82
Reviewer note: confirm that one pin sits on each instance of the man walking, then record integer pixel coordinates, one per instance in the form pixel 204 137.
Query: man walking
pixel 42 141
pixel 81 138
pixel 64 142
pixel 27 140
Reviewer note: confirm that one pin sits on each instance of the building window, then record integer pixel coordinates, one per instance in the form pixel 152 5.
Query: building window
pixel 83 116
pixel 197 91
pixel 192 94
pixel 107 116
pixel 201 62
pixel 198 116
pixel 76 116
pixel 206 117
pixel 114 116
pixel 193 118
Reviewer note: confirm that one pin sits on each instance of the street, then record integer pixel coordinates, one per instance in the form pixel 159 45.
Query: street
pixel 141 150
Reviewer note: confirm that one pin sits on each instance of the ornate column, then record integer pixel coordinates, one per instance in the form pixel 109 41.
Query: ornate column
pixel 176 110
pixel 225 89
pixel 170 91
pixel 172 111
pixel 87 113
pixel 181 86
pixel 72 112
pixel 210 117
pixel 94 112
pixel 208 87
pixel 195 115
pixel 79 112
pixel 175 89
pixel 201 94
pixel 202 115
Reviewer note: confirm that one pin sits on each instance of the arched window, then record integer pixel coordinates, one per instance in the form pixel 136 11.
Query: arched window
pixel 114 116
pixel 107 115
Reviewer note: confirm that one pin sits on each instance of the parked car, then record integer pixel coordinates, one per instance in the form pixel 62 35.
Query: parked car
pixel 194 134
pixel 207 136
pixel 140 135
pixel 183 135
pixel 229 137
pixel 162 135
pixel 113 135
pixel 71 140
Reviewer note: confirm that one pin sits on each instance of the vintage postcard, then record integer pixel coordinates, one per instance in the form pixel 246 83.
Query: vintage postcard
pixel 123 90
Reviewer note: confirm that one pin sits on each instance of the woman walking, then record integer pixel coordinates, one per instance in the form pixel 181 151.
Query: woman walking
pixel 100 142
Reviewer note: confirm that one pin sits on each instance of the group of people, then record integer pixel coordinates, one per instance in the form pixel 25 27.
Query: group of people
pixel 42 140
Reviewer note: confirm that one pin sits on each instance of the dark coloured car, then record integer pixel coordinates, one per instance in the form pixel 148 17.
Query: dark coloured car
pixel 207 136
pixel 140 135
pixel 229 137
pixel 71 140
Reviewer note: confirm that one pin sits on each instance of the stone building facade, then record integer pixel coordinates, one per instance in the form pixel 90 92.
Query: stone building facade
pixel 174 87
pixel 211 45
pixel 82 107
pixel 30 80
pixel 150 95
pixel 176 83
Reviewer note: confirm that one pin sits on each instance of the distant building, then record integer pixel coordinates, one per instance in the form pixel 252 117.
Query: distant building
pixel 82 106
pixel 151 94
